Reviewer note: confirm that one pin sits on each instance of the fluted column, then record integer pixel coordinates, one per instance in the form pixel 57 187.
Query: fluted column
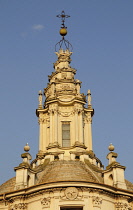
pixel 55 126
pixel 88 132
pixel 48 132
pixel 40 121
pixel 76 125
pixel 44 142
pixel 81 127
pixel 51 127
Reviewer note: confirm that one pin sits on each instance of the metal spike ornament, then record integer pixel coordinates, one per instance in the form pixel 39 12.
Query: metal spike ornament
pixel 63 32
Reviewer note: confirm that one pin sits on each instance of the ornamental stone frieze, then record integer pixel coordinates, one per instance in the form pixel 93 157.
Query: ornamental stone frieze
pixel 122 206
pixel 68 70
pixel 67 87
pixel 66 111
pixel 67 75
pixel 18 206
pixel 65 92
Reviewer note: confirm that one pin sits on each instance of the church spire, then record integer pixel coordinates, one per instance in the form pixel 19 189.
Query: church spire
pixel 64 119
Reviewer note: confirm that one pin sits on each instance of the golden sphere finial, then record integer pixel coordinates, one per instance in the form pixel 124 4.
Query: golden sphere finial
pixel 63 32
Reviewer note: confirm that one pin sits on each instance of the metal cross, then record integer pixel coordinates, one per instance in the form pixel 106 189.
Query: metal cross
pixel 63 16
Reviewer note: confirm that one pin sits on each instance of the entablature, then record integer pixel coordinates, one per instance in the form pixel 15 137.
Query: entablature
pixel 88 111
pixel 38 111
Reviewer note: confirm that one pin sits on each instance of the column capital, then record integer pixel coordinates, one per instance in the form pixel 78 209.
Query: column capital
pixel 40 120
pixel 88 120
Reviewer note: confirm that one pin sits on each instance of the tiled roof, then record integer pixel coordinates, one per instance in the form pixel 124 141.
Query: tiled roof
pixel 62 170
pixel 8 186
pixel 67 171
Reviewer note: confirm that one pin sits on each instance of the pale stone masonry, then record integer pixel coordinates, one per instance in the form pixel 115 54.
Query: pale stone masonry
pixel 64 104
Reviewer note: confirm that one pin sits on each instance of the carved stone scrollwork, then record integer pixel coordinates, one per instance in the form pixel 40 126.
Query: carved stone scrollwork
pixel 18 206
pixel 97 201
pixel 45 202
pixel 64 75
pixel 63 56
pixel 122 206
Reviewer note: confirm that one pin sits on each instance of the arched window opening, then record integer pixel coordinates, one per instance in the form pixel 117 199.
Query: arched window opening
pixel 111 179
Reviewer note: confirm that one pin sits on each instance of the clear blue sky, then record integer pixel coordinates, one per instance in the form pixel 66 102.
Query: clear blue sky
pixel 101 32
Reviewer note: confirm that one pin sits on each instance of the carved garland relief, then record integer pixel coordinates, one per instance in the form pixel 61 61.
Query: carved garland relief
pixel 71 113
pixel 66 112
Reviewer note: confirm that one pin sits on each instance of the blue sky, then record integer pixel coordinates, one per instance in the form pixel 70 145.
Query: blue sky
pixel 101 32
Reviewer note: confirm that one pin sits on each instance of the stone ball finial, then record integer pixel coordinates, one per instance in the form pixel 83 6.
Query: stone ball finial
pixel 111 147
pixel 26 148
pixel 39 92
